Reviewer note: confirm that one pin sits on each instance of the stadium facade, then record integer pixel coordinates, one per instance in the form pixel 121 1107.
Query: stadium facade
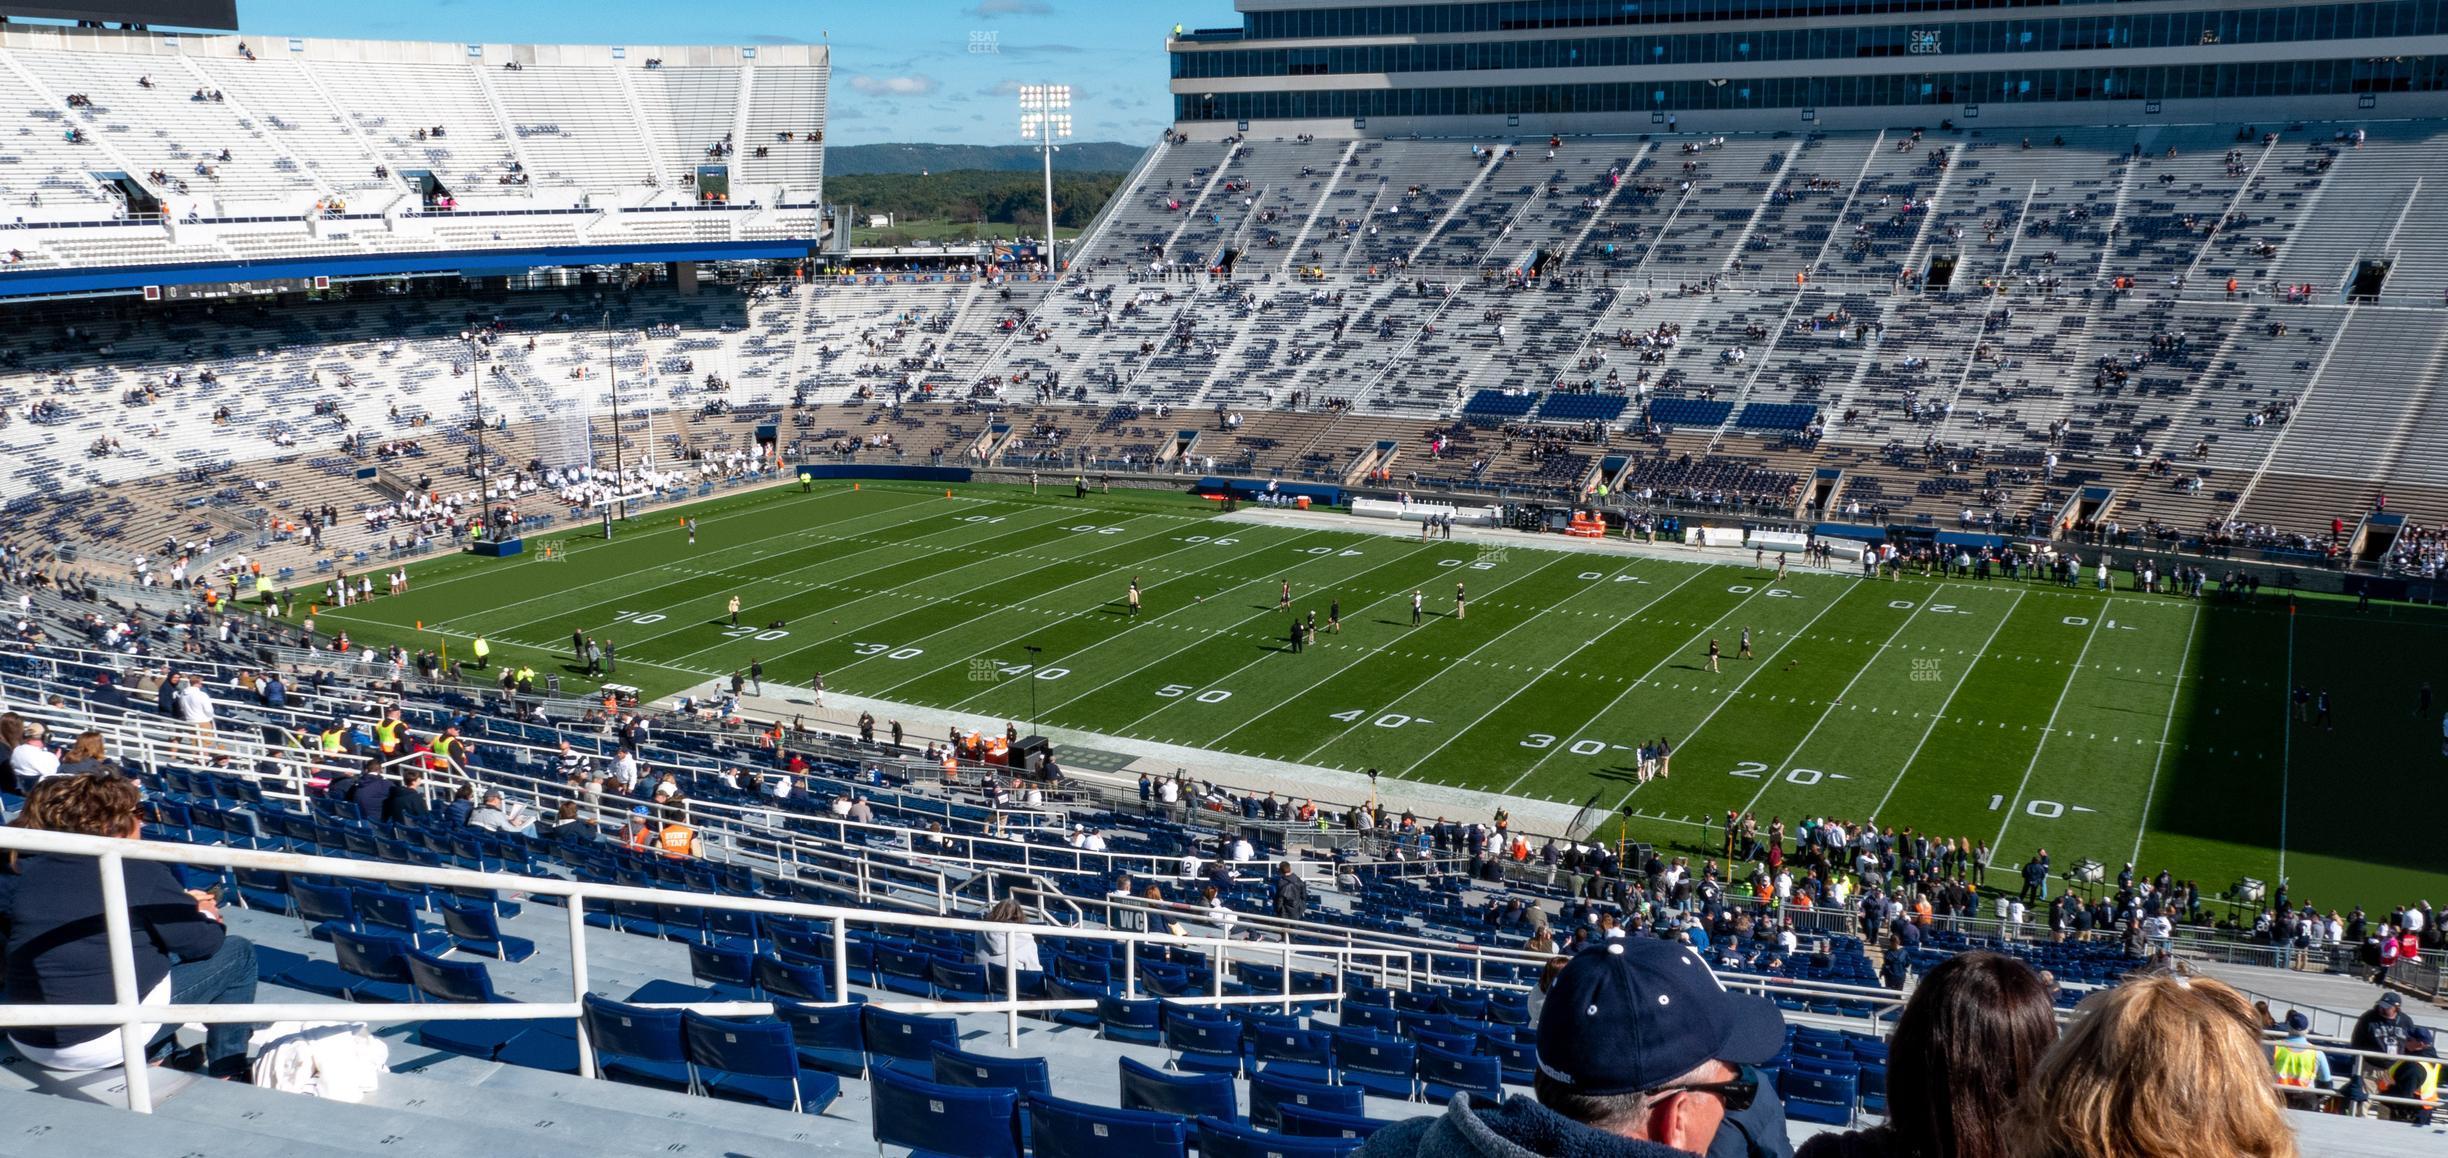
pixel 1435 67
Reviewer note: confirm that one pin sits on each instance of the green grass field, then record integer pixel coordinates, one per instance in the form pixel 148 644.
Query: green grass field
pixel 2122 727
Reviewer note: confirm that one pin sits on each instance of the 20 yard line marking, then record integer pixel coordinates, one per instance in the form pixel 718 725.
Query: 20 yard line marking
pixel 1746 680
pixel 1770 781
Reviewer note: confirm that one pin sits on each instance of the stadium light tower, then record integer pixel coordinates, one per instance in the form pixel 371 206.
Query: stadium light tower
pixel 1045 119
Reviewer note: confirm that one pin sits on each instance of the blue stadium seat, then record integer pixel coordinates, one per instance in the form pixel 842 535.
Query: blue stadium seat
pixel 1381 1065
pixel 378 962
pixel 754 1061
pixel 906 1040
pixel 1218 1138
pixel 777 977
pixel 943 1121
pixel 1809 1097
pixel 1189 1095
pixel 1271 1091
pixel 477 929
pixel 1444 1073
pixel 636 1045
pixel 955 1067
pixel 1131 1020
pixel 1203 1046
pixel 438 979
pixel 1064 1129
pixel 830 1037
pixel 729 971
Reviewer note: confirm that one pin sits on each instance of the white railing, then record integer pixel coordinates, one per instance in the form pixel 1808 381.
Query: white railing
pixel 132 1018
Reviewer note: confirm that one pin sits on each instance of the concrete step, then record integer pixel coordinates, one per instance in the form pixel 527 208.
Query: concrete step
pixel 572 1115
pixel 698 1115
pixel 41 1125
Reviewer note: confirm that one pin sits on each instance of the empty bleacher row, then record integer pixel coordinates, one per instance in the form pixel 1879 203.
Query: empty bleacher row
pixel 131 148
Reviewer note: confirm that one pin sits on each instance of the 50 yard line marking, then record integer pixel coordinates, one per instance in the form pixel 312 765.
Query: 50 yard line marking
pixel 2142 828
pixel 2042 746
pixel 1938 717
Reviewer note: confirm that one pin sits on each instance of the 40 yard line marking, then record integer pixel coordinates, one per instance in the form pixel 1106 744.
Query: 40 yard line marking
pixel 2166 729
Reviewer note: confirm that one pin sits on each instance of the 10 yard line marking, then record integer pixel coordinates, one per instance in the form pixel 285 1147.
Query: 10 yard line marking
pixel 2165 730
pixel 1939 716
pixel 2051 730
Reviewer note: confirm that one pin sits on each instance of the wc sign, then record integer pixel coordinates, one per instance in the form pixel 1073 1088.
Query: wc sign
pixel 1924 43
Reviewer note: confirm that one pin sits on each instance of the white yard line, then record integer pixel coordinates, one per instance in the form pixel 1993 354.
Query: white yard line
pixel 1236 557
pixel 1939 716
pixel 1770 779
pixel 1442 672
pixel 2042 746
pixel 1550 670
pixel 1237 625
pixel 2142 827
pixel 934 600
pixel 1739 685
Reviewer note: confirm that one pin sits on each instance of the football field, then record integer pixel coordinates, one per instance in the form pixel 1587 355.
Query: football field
pixel 2118 727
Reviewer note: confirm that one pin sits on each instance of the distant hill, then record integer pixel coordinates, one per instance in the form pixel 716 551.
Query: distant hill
pixel 1079 157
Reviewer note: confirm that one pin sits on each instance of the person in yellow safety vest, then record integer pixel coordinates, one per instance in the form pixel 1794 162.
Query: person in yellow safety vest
pixel 448 746
pixel 331 739
pixel 2415 1079
pixel 263 589
pixel 482 649
pixel 389 733
pixel 2297 1065
pixel 678 841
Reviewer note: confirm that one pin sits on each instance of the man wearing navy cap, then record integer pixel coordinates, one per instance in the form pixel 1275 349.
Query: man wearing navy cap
pixel 1640 1056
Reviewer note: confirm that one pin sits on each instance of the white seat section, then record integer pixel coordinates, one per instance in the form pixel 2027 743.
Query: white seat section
pixel 784 99
pixel 699 106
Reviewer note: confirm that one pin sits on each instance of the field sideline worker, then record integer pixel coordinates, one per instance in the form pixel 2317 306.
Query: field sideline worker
pixel 482 650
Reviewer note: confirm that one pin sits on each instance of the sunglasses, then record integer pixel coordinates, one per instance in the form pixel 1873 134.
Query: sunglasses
pixel 1737 1094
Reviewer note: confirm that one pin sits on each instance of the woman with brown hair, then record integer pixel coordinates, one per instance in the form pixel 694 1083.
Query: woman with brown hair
pixel 2165 1066
pixel 86 757
pixel 1967 1043
pixel 59 954
pixel 12 733
pixel 1018 948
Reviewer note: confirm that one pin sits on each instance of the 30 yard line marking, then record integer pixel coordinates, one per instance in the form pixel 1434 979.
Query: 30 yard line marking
pixel 2051 730
pixel 2142 828
pixel 1551 669
pixel 1413 553
pixel 1939 716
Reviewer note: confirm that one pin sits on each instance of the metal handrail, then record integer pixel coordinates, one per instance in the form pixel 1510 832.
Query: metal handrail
pixel 131 1016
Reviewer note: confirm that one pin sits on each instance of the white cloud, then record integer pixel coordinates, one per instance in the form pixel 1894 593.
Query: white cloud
pixel 915 84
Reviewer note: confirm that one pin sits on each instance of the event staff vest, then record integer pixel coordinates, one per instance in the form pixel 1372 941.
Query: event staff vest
pixel 2295 1065
pixel 2428 1091
pixel 679 840
pixel 387 735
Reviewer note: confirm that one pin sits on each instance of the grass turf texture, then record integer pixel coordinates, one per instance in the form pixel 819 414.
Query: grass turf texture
pixel 2117 728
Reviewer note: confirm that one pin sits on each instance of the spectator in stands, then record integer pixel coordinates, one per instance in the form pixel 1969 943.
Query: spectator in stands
pixel 58 953
pixel 569 828
pixel 1968 1042
pixel 1546 983
pixel 1291 892
pixel 1638 1054
pixel 12 733
pixel 30 761
pixel 996 949
pixel 87 757
pixel 372 792
pixel 462 806
pixel 408 804
pixel 2416 1079
pixel 2164 1066
pixel 2381 1029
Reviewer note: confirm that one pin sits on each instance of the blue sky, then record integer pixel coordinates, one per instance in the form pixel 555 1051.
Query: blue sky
pixel 903 70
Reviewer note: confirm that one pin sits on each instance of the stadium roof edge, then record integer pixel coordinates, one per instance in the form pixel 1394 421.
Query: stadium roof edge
pixel 173 43
pixel 53 282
